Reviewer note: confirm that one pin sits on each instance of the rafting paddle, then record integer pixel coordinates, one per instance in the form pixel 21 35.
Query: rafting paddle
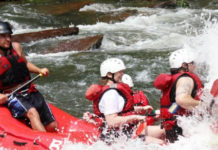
pixel 25 84
pixel 139 130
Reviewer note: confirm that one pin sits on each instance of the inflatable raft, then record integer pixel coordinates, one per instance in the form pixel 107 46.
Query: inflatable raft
pixel 17 135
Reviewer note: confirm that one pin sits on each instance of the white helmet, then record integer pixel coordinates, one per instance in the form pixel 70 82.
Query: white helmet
pixel 111 65
pixel 127 80
pixel 178 57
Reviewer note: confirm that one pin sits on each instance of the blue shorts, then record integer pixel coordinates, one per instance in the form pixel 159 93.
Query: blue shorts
pixel 16 107
pixel 21 103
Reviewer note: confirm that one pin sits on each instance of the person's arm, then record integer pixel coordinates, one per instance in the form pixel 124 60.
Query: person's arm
pixel 113 120
pixel 110 105
pixel 184 89
pixel 147 108
pixel 34 69
pixel 3 99
pixel 31 67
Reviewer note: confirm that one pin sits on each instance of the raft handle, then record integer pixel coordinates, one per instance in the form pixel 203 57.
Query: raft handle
pixel 3 134
pixel 35 141
pixel 19 143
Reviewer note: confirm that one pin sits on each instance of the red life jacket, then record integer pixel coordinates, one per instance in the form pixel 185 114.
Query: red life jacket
pixel 13 70
pixel 140 99
pixel 95 92
pixel 167 84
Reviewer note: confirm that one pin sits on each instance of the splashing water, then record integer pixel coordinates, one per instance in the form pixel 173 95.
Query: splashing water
pixel 205 45
pixel 199 129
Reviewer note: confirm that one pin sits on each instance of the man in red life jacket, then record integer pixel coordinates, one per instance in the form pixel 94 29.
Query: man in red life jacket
pixel 113 102
pixel 140 100
pixel 182 88
pixel 15 70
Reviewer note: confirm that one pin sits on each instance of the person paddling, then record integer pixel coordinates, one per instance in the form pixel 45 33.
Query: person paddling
pixel 15 71
pixel 181 90
pixel 141 100
pixel 113 102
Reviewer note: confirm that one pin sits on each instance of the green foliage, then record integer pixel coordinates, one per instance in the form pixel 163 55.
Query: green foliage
pixel 181 3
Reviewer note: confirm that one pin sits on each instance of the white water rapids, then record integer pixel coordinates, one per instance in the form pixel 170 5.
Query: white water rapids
pixel 197 129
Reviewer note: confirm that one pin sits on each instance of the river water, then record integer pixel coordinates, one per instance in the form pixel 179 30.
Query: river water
pixel 143 41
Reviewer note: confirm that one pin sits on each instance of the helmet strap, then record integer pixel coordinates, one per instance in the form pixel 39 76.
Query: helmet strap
pixel 185 67
pixel 112 78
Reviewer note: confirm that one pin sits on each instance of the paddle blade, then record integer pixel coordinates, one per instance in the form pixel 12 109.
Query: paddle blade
pixel 214 89
pixel 140 129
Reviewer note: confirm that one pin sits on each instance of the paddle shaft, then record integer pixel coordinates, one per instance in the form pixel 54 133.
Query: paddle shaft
pixel 25 84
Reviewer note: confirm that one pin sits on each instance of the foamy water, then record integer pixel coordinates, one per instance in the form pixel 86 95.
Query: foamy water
pixel 198 129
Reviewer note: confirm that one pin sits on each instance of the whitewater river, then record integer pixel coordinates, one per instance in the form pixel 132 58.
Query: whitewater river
pixel 143 41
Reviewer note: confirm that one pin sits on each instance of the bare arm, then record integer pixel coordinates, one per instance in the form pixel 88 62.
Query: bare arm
pixel 3 99
pixel 113 120
pixel 146 108
pixel 184 89
pixel 31 67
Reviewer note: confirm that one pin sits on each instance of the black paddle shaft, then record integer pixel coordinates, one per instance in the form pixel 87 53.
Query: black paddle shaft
pixel 25 84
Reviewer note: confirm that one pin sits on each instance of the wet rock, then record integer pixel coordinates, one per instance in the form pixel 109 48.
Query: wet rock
pixel 167 4
pixel 116 16
pixel 33 36
pixel 61 9
pixel 77 45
